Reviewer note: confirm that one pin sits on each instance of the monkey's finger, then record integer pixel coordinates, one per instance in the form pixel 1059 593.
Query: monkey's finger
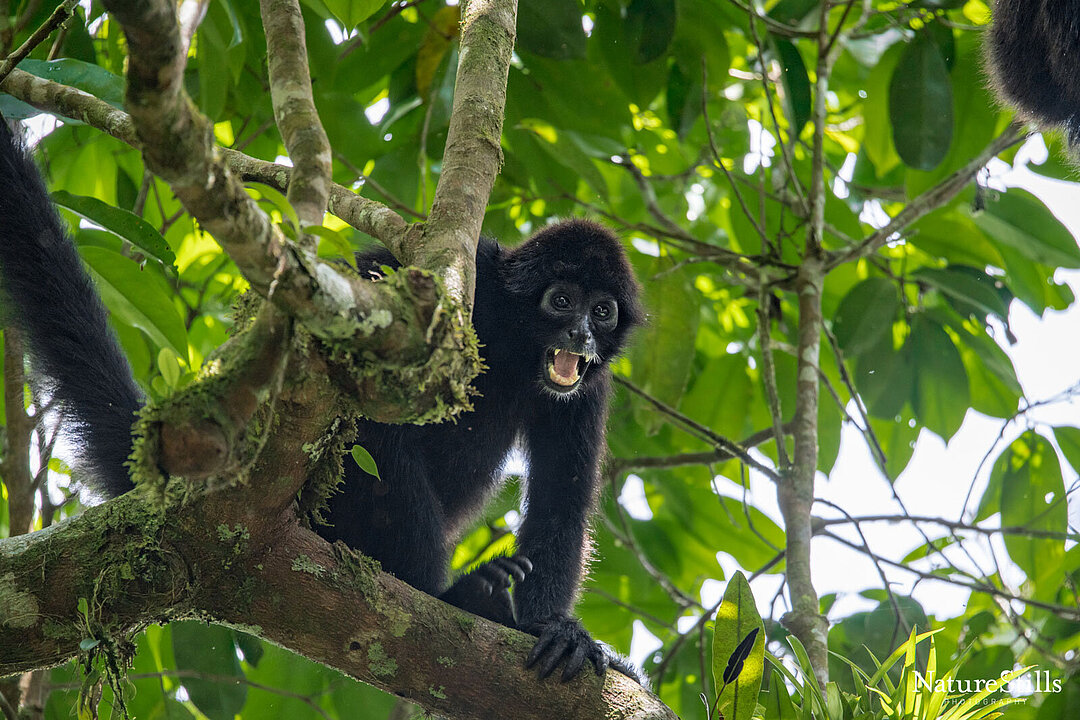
pixel 523 562
pixel 511 568
pixel 546 638
pixel 573 665
pixel 599 660
pixel 554 656
pixel 492 572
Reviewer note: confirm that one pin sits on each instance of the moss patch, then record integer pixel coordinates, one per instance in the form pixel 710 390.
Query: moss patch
pixel 18 608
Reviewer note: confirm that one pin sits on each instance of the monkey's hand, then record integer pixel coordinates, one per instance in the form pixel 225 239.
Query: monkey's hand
pixel 564 638
pixel 485 590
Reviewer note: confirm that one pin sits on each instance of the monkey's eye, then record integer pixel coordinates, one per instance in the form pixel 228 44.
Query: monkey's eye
pixel 561 302
pixel 602 311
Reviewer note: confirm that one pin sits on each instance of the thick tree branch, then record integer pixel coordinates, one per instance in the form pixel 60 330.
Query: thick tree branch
pixel 267 574
pixel 294 109
pixel 446 243
pixel 177 145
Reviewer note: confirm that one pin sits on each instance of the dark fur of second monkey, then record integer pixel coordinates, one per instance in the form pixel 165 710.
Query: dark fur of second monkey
pixel 437 478
pixel 1033 54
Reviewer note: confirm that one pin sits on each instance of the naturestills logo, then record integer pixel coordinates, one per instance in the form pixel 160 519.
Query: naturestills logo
pixel 1037 681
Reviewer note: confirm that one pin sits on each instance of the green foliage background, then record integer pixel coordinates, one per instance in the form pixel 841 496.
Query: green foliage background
pixel 639 116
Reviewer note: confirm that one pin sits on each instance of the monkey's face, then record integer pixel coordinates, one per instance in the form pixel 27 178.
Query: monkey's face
pixel 576 334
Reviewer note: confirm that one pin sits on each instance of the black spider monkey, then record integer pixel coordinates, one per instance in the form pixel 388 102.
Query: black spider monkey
pixel 549 314
pixel 1033 54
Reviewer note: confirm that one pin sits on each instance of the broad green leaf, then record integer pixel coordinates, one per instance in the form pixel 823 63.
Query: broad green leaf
pixel 684 93
pixel 1033 497
pixel 885 378
pixel 921 105
pixel 975 113
pixel 364 459
pixel 85 76
pixel 942 396
pixel 1068 439
pixel 897 439
pixel 277 200
pixel 956 238
pixel 796 81
pixel 973 289
pixel 169 366
pixel 551 28
pixel 866 316
pixel 650 26
pixel 135 300
pixel 353 12
pixel 738 651
pixel 122 223
pixel 279 668
pixel 878 137
pixel 1021 221
pixel 664 352
pixel 209 650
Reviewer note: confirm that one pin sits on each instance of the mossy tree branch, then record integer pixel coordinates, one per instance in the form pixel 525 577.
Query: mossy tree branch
pixel 266 574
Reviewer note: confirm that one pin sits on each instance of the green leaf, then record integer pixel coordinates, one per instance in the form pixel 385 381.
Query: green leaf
pixel 973 289
pixel 921 105
pixel 650 26
pixel 136 301
pixel 364 459
pixel 878 137
pixel 251 646
pixel 738 651
pixel 551 29
pixel 942 395
pixel 885 378
pixel 277 200
pixel 169 366
pixel 353 12
pixel 1033 497
pixel 663 354
pixel 1019 220
pixel 210 650
pixel 796 82
pixel 956 238
pixel 1068 439
pixel 85 76
pixel 866 315
pixel 122 223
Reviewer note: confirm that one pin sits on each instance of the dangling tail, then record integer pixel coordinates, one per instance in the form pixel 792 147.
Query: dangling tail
pixel 75 359
pixel 1033 55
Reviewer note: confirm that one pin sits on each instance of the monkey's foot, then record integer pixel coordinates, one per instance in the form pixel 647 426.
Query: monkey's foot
pixel 564 638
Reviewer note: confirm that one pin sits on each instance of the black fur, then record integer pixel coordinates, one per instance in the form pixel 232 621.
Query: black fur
pixel 1033 53
pixel 436 478
pixel 77 362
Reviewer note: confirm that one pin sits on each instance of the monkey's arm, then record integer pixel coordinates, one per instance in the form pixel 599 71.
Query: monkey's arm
pixel 564 447
pixel 75 359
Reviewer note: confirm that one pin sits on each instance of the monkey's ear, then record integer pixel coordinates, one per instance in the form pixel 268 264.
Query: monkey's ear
pixel 1033 58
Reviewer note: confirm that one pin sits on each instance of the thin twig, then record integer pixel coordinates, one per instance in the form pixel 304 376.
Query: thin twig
pixel 59 17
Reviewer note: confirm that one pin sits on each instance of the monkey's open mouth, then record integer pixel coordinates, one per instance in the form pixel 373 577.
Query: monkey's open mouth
pixel 564 369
